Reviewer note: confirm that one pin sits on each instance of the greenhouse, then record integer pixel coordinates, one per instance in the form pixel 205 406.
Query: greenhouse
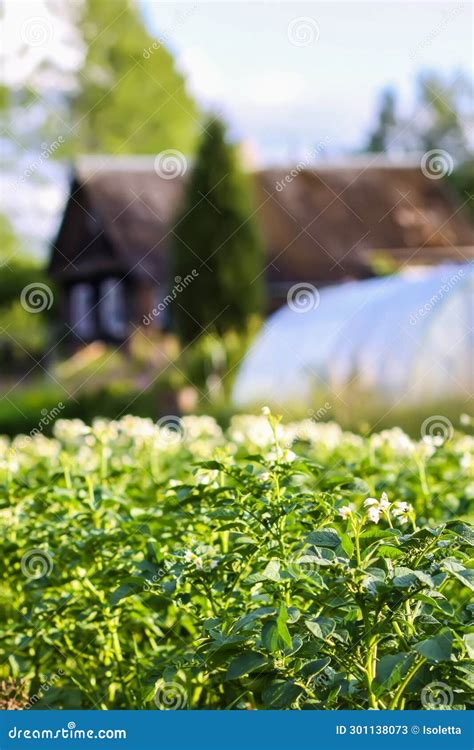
pixel 407 336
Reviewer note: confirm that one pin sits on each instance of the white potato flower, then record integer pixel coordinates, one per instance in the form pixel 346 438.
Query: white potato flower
pixel 377 507
pixel 384 503
pixel 374 514
pixel 370 501
pixel 346 511
pixel 402 510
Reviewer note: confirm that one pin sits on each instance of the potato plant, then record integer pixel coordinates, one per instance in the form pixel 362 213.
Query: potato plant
pixel 270 566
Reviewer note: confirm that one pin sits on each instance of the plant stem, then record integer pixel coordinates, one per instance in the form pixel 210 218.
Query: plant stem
pixel 409 676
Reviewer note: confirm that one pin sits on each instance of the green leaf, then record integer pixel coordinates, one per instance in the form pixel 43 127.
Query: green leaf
pixel 275 634
pixel 245 663
pixel 469 644
pixel 324 538
pixel 374 580
pixel 392 668
pixel 272 571
pixel 374 533
pixel 347 545
pixel 388 552
pixel 281 694
pixel 321 627
pixel 270 639
pixel 283 631
pixel 251 617
pixel 314 667
pixel 465 575
pixel 293 614
pixel 465 531
pixel 436 649
pixel 405 577
pixel 439 603
pixel 128 587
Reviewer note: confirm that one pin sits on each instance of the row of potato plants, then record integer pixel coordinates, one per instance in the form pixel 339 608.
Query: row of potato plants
pixel 174 565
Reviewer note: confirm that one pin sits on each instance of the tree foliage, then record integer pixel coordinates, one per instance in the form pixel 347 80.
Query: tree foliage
pixel 22 332
pixel 131 98
pixel 379 139
pixel 217 237
pixel 438 120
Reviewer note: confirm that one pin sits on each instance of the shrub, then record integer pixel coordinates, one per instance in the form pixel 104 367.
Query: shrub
pixel 217 237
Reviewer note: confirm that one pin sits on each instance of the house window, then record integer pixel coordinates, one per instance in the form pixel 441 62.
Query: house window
pixel 112 308
pixel 82 314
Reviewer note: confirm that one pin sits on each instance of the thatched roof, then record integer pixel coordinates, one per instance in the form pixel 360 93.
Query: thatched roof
pixel 320 225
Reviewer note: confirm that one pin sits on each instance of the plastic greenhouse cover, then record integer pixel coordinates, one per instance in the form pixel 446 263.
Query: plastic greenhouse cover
pixel 407 336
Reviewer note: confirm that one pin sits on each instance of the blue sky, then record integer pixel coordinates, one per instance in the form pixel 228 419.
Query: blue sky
pixel 283 98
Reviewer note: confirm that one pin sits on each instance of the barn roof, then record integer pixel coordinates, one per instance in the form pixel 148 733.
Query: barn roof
pixel 319 225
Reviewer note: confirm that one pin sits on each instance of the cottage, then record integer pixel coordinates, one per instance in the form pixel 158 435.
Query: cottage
pixel 324 226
